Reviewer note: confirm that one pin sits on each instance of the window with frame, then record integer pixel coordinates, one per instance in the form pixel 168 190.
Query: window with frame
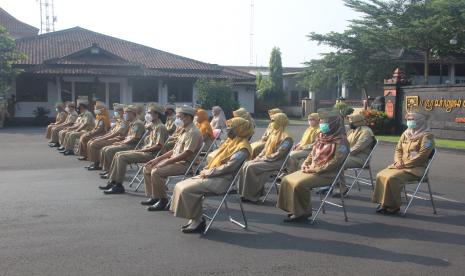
pixel 180 90
pixel 31 89
pixel 144 91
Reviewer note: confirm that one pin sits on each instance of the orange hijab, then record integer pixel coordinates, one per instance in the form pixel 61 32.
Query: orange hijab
pixel 203 124
pixel 105 117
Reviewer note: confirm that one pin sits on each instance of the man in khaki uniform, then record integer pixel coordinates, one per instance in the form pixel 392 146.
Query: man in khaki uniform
pixel 71 119
pixel 170 118
pixel 174 162
pixel 301 151
pixel 60 119
pixel 116 134
pixel 152 144
pixel 258 146
pixel 87 123
pixel 136 132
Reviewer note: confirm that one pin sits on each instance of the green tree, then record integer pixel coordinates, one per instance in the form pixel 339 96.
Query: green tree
pixel 213 92
pixel 8 56
pixel 270 88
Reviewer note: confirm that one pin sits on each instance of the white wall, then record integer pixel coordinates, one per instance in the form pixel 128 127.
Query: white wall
pixel 246 97
pixel 25 109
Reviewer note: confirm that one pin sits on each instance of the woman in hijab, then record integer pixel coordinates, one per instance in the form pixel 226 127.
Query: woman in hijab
pixel 243 113
pixel 205 128
pixel 254 173
pixel 215 178
pixel 219 119
pixel 304 147
pixel 410 159
pixel 257 146
pixel 102 126
pixel 319 169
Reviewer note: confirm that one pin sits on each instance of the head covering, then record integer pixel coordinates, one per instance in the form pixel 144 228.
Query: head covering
pixel 313 116
pixel 203 124
pixel 103 116
pixel 118 106
pixel 274 111
pixel 99 105
pixel 154 107
pixel 60 104
pixel 421 119
pixel 83 102
pixel 130 108
pixel 170 106
pixel 277 135
pixel 241 128
pixel 186 110
pixel 357 120
pixel 70 104
pixel 325 144
pixel 218 121
pixel 243 113
pixel 311 132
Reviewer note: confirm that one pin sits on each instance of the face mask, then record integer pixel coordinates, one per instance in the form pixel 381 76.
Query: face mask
pixel 230 133
pixel 67 109
pixel 56 109
pixel 126 117
pixel 148 117
pixel 352 126
pixel 411 124
pixel 116 114
pixel 178 122
pixel 97 112
pixel 78 110
pixel 324 127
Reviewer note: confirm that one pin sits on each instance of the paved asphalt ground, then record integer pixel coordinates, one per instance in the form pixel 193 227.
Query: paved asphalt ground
pixel 54 221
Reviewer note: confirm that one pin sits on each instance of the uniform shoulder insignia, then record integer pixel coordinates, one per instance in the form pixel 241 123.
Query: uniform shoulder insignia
pixel 428 143
pixel 343 148
pixel 285 144
pixel 238 155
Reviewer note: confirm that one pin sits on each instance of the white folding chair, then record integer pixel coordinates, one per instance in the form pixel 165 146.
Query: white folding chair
pixel 337 179
pixel 358 171
pixel 424 179
pixel 274 183
pixel 224 202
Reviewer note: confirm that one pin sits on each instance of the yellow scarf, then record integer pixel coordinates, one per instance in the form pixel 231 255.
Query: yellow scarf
pixel 309 135
pixel 242 129
pixel 278 134
pixel 105 117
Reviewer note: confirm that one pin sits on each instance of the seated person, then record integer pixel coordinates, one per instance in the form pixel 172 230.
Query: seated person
pixel 71 119
pixel 153 142
pixel 205 128
pixel 102 126
pixel 60 119
pixel 360 139
pixel 219 119
pixel 301 151
pixel 117 134
pixel 243 113
pixel 410 160
pixel 319 169
pixel 86 124
pixel 173 162
pixel 258 146
pixel 255 173
pixel 135 133
pixel 215 178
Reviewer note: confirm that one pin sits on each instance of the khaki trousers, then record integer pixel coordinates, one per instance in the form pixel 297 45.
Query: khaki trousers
pixel 122 159
pixel 296 159
pixel 108 153
pixel 253 177
pixel 48 132
pixel 389 184
pixel 188 195
pixel 155 178
pixel 72 138
pixel 94 148
pixel 55 138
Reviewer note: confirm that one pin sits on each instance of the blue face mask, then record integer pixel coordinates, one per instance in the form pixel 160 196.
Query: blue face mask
pixel 324 127
pixel 116 113
pixel 411 124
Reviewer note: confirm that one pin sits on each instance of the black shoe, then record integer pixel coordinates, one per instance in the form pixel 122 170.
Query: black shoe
pixel 115 189
pixel 245 200
pixel 82 158
pixel 185 226
pixel 149 202
pixel 105 176
pixel 159 206
pixel 107 187
pixel 293 218
pixel 103 173
pixel 53 145
pixel 198 229
pixel 68 152
pixel 94 168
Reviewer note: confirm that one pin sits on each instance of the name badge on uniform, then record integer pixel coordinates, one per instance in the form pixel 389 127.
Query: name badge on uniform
pixel 413 154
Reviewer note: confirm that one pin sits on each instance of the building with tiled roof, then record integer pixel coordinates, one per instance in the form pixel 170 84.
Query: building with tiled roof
pixel 14 27
pixel 79 63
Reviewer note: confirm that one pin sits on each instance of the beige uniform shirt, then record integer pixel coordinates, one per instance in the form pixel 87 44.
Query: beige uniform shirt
pixel 136 130
pixel 170 126
pixel 72 118
pixel 360 141
pixel 88 120
pixel 190 139
pixel 61 117
pixel 158 135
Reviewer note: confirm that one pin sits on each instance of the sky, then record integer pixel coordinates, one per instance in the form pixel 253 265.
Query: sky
pixel 213 31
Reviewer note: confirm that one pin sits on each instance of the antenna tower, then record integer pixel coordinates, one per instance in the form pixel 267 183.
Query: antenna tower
pixel 47 16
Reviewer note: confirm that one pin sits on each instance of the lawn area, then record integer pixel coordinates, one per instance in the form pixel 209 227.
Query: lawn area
pixel 442 143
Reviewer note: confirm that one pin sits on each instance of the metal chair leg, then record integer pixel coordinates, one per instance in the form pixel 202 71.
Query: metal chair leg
pixel 431 198
pixel 371 179
pixel 342 201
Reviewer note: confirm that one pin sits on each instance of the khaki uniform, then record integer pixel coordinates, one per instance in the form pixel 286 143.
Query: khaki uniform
pixel 190 139
pixel 99 130
pixel 188 194
pixel 296 157
pixel 254 174
pixel 70 119
pixel 117 134
pixel 61 118
pixel 170 126
pixel 360 141
pixel 157 136
pixel 72 137
pixel 63 134
pixel 390 181
pixel 295 191
pixel 136 131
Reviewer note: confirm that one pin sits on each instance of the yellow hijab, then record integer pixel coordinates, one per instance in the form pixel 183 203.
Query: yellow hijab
pixel 311 132
pixel 243 130
pixel 278 134
pixel 243 113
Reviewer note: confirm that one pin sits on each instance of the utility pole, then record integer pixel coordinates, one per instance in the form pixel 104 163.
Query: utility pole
pixel 47 16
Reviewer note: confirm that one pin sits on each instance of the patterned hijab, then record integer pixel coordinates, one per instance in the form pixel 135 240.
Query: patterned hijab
pixel 422 126
pixel 325 145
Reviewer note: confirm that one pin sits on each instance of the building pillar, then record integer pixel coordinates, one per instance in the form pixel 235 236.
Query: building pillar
pixel 58 85
pixel 452 73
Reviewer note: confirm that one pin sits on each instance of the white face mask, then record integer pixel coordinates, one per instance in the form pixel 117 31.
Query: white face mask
pixel 148 117
pixel 67 109
pixel 178 122
pixel 116 114
pixel 126 117
pixel 97 112
pixel 56 109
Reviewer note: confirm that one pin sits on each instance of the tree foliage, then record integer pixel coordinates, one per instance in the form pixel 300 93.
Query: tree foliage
pixel 270 89
pixel 213 92
pixel 8 56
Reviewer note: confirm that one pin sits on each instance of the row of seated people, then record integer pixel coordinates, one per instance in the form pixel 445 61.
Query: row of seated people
pixel 325 143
